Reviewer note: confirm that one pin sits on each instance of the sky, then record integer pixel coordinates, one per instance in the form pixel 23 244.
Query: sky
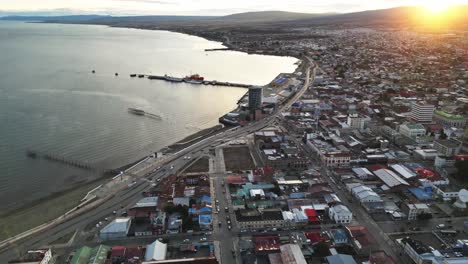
pixel 200 7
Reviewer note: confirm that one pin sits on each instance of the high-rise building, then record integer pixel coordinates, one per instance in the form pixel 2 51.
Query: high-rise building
pixel 422 112
pixel 255 99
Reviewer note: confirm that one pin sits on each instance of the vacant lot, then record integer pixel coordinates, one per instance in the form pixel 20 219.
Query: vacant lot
pixel 200 165
pixel 238 158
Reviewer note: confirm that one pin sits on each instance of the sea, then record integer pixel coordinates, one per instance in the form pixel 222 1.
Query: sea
pixel 51 102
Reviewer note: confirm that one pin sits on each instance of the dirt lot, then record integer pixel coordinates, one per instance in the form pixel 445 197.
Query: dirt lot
pixel 238 158
pixel 200 165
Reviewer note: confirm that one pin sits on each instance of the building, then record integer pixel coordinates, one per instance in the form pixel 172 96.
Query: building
pixel 291 253
pixel 341 259
pixel 156 251
pixel 39 256
pixel 449 120
pixel 447 147
pixel 356 121
pixel 255 99
pixel 116 229
pixel 412 130
pixel 413 210
pixel 391 179
pixel 96 255
pixel 254 219
pixel 340 214
pixel 422 112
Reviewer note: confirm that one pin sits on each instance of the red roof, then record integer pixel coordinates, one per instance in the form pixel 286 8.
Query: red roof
pixel 236 179
pixel 427 174
pixel 267 243
pixel 315 237
pixel 118 251
pixel 380 258
pixel 311 215
pixel 361 234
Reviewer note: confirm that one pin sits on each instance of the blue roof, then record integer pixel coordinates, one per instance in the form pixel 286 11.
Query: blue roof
pixel 339 234
pixel 206 199
pixel 297 195
pixel 205 219
pixel 192 210
pixel 341 259
pixel 420 194
pixel 205 209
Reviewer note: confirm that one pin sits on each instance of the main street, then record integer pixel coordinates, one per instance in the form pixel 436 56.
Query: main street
pixel 131 195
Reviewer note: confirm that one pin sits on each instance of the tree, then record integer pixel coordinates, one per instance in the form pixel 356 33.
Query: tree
pixel 442 134
pixel 462 168
pixel 322 249
pixel 424 216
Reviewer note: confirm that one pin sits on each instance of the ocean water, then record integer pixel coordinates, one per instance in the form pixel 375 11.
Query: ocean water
pixel 51 102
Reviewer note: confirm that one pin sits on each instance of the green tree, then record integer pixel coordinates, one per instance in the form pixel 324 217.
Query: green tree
pixel 322 249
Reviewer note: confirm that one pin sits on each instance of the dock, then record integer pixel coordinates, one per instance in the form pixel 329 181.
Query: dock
pixel 214 83
pixel 218 49
pixel 60 159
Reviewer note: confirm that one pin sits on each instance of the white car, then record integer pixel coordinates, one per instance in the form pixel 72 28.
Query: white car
pixel 172 167
pixel 203 239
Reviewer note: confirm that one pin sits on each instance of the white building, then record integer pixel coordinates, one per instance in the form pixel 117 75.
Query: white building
pixel 156 251
pixel 412 130
pixel 340 214
pixel 356 121
pixel 447 147
pixel 413 210
pixel 116 229
pixel 422 112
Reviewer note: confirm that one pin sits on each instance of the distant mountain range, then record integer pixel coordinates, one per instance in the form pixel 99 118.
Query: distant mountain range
pixel 393 17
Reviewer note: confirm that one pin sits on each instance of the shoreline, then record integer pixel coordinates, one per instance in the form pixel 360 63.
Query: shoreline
pixel 71 195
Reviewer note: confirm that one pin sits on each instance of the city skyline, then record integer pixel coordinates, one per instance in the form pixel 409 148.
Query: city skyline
pixel 205 7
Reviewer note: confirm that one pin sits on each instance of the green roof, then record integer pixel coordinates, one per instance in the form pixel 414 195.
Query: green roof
pixel 253 204
pixel 238 202
pixel 448 115
pixel 413 125
pixel 81 256
pixel 99 254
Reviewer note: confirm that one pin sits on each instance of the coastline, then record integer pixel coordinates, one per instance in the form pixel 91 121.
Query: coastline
pixel 33 214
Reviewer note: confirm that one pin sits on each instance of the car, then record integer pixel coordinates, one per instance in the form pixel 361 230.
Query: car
pixel 227 217
pixel 229 227
pixel 186 240
pixel 158 180
pixel 229 222
pixel 219 224
pixel 172 167
pixel 226 209
pixel 203 239
pixel 106 219
pixel 189 157
pixel 218 209
pixel 114 212
pixel 217 201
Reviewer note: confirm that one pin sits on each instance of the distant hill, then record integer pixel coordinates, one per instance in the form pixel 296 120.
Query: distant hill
pixel 52 18
pixel 264 16
pixel 399 16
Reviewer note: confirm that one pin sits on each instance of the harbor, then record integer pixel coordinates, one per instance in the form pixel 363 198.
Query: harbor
pixel 199 80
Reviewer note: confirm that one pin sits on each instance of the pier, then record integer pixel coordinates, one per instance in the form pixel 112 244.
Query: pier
pixel 215 83
pixel 60 159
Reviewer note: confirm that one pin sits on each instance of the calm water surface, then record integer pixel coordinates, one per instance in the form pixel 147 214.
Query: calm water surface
pixel 50 101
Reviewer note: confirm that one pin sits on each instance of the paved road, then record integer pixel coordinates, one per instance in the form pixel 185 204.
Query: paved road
pixel 130 196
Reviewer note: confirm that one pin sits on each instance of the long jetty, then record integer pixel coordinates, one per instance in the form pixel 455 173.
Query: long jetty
pixel 217 83
pixel 60 159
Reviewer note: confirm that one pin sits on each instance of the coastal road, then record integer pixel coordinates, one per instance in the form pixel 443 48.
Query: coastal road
pixel 131 195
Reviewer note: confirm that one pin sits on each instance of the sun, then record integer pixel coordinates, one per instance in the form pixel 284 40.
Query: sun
pixel 436 6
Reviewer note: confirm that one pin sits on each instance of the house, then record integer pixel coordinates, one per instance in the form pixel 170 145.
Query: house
pixel 412 130
pixel 341 259
pixel 447 147
pixel 413 210
pixel 340 214
pixel 362 240
pixel 116 229
pixel 156 251
pixel 339 236
pixel 205 221
pixel 291 253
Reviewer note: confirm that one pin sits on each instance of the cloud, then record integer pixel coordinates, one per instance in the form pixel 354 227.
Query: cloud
pixel 160 2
